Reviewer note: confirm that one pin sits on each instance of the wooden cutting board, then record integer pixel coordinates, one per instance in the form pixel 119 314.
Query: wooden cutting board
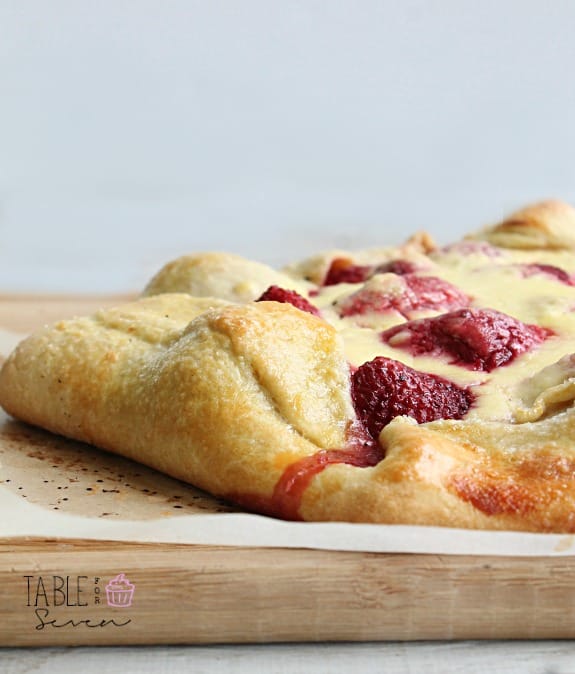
pixel 87 593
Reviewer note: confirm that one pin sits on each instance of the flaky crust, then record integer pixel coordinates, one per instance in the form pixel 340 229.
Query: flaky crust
pixel 231 396
pixel 544 225
pixel 209 400
pixel 229 277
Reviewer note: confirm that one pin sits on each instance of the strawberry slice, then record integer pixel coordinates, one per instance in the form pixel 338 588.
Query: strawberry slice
pixel 411 293
pixel 548 270
pixel 277 294
pixel 343 270
pixel 399 267
pixel 383 389
pixel 479 339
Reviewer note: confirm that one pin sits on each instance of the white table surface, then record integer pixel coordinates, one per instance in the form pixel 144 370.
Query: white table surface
pixel 538 657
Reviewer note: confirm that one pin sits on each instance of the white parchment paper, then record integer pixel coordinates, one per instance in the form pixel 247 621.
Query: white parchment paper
pixel 27 520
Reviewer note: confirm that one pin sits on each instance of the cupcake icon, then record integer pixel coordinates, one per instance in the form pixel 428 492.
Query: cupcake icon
pixel 120 592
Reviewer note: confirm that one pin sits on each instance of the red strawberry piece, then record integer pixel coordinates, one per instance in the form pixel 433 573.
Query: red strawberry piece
pixel 480 339
pixel 548 270
pixel 383 389
pixel 419 293
pixel 343 270
pixel 400 267
pixel 277 294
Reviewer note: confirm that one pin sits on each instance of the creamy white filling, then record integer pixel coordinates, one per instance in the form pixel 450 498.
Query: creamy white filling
pixel 491 282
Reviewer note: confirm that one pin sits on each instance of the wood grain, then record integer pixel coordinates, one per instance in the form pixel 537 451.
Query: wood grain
pixel 24 313
pixel 202 594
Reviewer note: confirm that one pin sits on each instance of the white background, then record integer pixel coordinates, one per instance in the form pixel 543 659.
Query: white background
pixel 133 131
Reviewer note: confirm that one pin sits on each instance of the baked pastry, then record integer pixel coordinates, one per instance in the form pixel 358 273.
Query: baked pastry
pixel 415 384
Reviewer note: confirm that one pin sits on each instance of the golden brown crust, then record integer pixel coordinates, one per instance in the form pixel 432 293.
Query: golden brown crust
pixel 253 401
pixel 229 277
pixel 222 400
pixel 545 225
pixel 429 477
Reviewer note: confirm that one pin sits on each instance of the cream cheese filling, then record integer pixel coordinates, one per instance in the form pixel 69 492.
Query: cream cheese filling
pixel 499 282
